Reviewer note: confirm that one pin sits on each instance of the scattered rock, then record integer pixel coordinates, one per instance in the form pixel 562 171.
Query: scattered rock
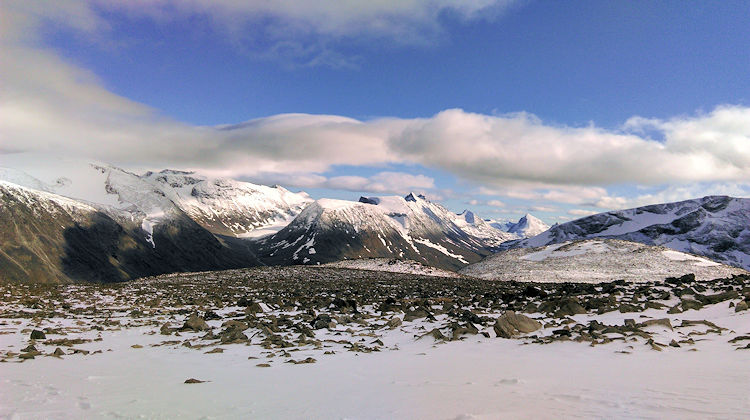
pixel 38 335
pixel 195 323
pixel 511 324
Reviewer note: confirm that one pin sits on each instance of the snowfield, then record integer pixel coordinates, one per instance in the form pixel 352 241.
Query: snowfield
pixel 595 261
pixel 125 352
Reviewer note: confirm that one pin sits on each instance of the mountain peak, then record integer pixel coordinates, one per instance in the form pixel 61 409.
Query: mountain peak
pixel 414 197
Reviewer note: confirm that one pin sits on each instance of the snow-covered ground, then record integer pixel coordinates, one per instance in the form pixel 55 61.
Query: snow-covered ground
pixel 595 261
pixel 140 373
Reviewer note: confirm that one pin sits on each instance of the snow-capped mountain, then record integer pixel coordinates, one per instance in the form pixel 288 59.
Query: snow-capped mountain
pixel 596 261
pixel 407 228
pixel 528 226
pixel 226 206
pixel 716 227
pixel 222 206
pixel 479 228
pixel 46 237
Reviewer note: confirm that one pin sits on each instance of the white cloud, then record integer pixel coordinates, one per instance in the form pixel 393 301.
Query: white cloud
pixel 48 105
pixel 581 212
pixel 491 203
pixel 308 33
pixel 385 182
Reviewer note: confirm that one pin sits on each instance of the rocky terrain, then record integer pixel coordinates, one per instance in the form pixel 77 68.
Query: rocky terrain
pixel 276 316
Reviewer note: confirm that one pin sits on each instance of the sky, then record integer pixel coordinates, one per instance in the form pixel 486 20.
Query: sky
pixel 561 109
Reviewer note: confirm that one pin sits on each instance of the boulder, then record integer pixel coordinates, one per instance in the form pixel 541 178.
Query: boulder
pixel 195 323
pixel 511 324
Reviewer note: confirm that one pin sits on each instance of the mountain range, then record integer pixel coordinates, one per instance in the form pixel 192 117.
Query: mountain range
pixel 716 227
pixel 96 222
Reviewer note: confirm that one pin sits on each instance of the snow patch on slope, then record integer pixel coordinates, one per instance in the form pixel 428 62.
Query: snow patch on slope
pixel 595 261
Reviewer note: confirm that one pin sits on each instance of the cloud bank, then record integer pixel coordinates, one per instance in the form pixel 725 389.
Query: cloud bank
pixel 48 105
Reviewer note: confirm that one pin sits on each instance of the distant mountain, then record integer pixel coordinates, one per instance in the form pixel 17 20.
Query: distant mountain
pixel 49 238
pixel 482 230
pixel 526 227
pixel 380 227
pixel 716 227
pixel 116 225
pixel 222 206
pixel 596 261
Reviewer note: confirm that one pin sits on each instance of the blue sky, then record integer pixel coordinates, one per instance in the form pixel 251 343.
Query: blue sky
pixel 625 82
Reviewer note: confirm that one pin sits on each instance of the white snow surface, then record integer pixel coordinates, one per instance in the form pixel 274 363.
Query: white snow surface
pixel 596 261
pixel 476 378
pixel 392 265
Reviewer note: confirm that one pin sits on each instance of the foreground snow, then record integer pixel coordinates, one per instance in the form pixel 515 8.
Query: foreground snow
pixel 140 373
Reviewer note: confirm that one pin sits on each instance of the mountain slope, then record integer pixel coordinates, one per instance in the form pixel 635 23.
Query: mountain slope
pixel 386 227
pixel 50 238
pixel 222 206
pixel 716 227
pixel 596 261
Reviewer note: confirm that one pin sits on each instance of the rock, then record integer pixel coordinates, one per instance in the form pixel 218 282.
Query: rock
pixel 215 350
pixel 675 309
pixel 195 323
pixel 655 305
pixel 394 322
pixel 626 307
pixel 742 306
pixel 471 317
pixel 58 352
pixel 719 297
pixel 674 343
pixel 665 322
pixel 165 329
pixel 531 291
pixel 435 333
pixel 459 330
pixel 511 324
pixel 415 314
pixel 688 304
pixel 209 315
pixel 231 335
pixel 253 308
pixel 263 365
pixel 322 321
pixel 193 381
pixel 38 335
pixel 568 307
